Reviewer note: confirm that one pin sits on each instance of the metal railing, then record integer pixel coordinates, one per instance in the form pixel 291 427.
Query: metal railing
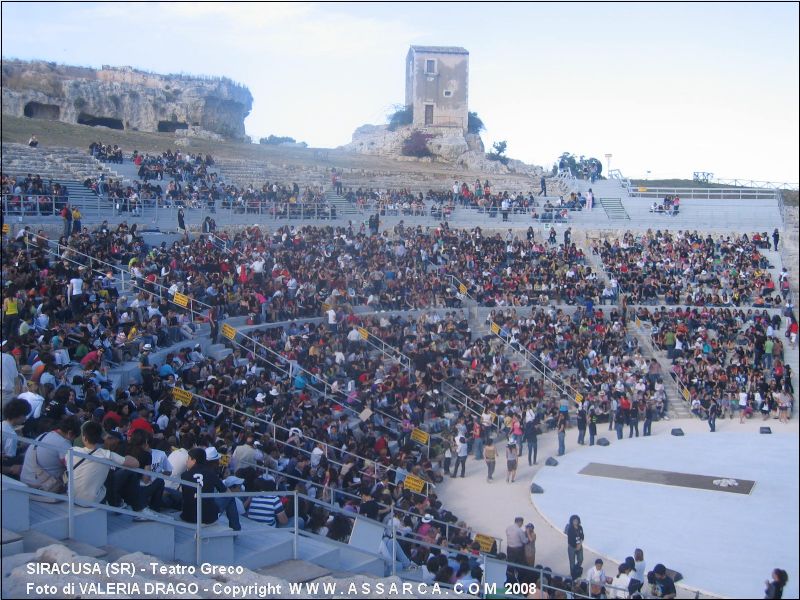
pixel 391 536
pixel 682 389
pixel 703 193
pixel 752 183
pixel 550 375
pixel 617 175
pixel 160 290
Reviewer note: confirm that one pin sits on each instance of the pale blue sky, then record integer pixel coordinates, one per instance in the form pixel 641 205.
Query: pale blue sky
pixel 666 88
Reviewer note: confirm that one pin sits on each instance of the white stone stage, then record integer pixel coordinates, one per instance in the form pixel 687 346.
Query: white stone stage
pixel 724 544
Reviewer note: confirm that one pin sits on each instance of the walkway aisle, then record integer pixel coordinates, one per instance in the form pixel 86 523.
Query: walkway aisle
pixel 491 507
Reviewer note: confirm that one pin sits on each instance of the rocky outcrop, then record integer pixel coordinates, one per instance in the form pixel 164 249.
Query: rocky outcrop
pixel 465 151
pixel 124 98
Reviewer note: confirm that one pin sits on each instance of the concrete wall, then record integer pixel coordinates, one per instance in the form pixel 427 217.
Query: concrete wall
pixel 452 75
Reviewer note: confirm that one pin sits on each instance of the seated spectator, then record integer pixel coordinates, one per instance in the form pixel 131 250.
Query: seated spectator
pixel 44 464
pixel 14 415
pixel 90 476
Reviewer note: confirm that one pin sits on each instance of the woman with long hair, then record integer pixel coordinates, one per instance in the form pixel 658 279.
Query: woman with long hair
pixel 775 587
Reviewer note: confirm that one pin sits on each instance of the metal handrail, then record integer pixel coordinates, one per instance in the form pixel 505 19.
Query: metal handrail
pixel 276 426
pixel 130 283
pixel 199 495
pixel 684 391
pixel 120 270
pixel 534 361
pixel 702 193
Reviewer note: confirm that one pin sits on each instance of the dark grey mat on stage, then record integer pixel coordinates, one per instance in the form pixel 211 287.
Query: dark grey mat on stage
pixel 688 480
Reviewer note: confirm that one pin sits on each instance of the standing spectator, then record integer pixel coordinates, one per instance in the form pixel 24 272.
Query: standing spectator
pixel 516 538
pixel 11 317
pixel 462 451
pixel 574 531
pixel 775 239
pixel 511 462
pixel 648 419
pixel 530 546
pixel 713 412
pixel 581 423
pixel 490 456
pixel 561 428
pixel 181 221
pixel 633 419
pixel 543 186
pixel 66 215
pixel 76 220
pixel 592 424
pixel 531 439
pixel 639 572
pixel 775 587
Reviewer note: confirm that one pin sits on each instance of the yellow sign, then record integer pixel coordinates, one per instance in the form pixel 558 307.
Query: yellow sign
pixel 686 395
pixel 486 542
pixel 364 333
pixel 228 331
pixel 638 322
pixel 414 483
pixel 578 398
pixel 642 189
pixel 420 436
pixel 462 288
pixel 6 228
pixel 182 396
pixel 181 299
pixel 224 460
pixel 495 328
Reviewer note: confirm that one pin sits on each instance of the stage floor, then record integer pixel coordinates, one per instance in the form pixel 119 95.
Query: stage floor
pixel 646 493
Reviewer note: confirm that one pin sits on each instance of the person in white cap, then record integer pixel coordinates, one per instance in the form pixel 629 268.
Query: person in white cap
pixel 234 484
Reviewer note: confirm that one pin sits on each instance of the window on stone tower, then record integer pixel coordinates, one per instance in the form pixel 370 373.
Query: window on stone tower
pixel 430 67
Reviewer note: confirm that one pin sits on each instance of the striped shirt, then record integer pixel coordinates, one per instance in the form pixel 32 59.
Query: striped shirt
pixel 264 509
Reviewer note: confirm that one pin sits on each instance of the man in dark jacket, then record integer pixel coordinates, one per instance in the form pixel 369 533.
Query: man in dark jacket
pixel 201 473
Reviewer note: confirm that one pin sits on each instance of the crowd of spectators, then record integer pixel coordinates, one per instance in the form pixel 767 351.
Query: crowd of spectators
pixel 734 356
pixel 313 407
pixel 32 195
pixel 689 268
pixel 106 152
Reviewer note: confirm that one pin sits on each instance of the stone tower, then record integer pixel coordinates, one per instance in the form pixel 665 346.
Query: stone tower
pixel 437 80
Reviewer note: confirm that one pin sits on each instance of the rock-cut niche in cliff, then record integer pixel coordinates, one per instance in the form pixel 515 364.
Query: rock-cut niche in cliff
pixel 37 110
pixel 110 122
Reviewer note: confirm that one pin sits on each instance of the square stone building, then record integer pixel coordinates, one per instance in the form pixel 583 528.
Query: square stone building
pixel 436 86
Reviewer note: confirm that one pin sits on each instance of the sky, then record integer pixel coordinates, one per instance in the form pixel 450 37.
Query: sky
pixel 667 89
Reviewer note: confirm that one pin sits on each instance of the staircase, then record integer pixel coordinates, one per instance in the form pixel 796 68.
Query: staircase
pixel 614 209
pixel 343 205
pixel 677 407
pixel 29 524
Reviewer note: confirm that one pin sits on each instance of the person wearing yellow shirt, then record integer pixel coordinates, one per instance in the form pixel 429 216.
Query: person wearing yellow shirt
pixel 10 315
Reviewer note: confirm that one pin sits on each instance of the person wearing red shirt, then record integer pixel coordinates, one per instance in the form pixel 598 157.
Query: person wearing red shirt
pixel 141 422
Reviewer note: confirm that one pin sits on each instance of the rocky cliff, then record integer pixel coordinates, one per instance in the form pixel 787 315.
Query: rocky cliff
pixel 124 98
pixel 446 145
